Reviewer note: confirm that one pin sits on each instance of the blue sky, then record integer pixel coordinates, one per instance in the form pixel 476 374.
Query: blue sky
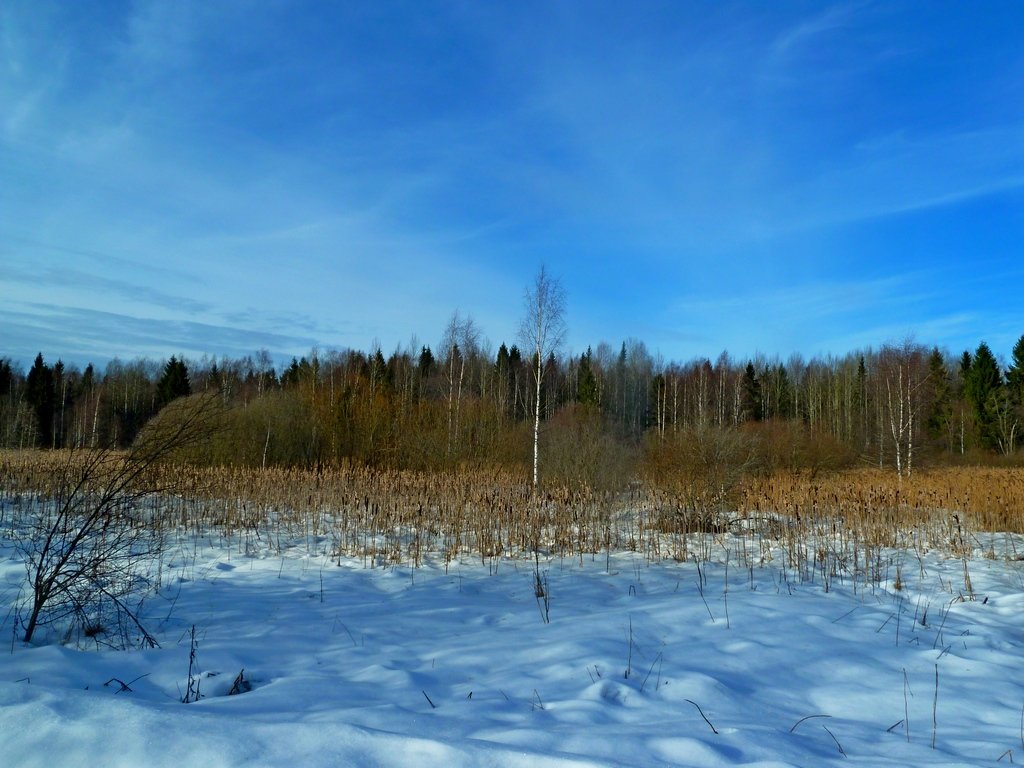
pixel 775 177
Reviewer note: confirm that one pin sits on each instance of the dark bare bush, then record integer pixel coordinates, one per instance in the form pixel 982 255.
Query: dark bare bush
pixel 89 535
pixel 704 466
pixel 275 429
pixel 579 453
pixel 697 475
pixel 791 446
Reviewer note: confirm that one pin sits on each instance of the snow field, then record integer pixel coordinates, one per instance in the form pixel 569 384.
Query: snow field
pixel 351 665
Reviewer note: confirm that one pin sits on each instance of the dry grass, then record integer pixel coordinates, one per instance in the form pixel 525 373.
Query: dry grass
pixel 985 499
pixel 394 515
pixel 829 524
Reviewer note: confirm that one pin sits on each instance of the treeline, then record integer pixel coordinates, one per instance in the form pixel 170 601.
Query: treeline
pixel 609 414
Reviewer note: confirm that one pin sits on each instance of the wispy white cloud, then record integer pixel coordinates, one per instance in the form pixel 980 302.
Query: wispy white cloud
pixel 900 174
pixel 356 173
pixel 103 288
pixel 87 335
pixel 816 29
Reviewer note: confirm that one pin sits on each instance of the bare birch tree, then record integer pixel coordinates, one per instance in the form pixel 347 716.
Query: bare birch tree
pixel 904 370
pixel 460 342
pixel 542 332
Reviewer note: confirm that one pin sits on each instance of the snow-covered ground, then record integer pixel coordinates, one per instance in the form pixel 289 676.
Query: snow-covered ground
pixel 641 664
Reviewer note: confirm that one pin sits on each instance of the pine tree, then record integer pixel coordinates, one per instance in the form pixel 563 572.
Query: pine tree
pixel 940 412
pixel 173 383
pixel 753 408
pixel 1015 374
pixel 41 396
pixel 966 361
pixel 6 378
pixel 587 393
pixel 426 364
pixel 294 373
pixel 981 387
pixel 380 377
pixel 216 379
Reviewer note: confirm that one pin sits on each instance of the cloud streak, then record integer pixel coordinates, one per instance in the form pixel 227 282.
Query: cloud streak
pixel 357 173
pixel 93 336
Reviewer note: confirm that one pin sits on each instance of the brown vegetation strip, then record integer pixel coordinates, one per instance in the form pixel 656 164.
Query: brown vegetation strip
pixel 402 515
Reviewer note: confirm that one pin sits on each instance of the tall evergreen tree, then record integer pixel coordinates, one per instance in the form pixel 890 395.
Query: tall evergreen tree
pixel 1015 374
pixel 380 374
pixel 587 393
pixel 215 380
pixel 88 380
pixel 980 387
pixel 426 363
pixel 940 412
pixel 782 393
pixel 6 377
pixel 41 396
pixel 860 405
pixel 292 375
pixel 753 404
pixel 173 382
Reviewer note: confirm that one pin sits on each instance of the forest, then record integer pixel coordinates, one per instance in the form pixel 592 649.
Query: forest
pixel 608 416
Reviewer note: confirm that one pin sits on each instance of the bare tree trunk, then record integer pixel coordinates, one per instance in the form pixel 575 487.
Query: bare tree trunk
pixel 675 401
pixel 95 423
pixel 536 428
pixel 543 330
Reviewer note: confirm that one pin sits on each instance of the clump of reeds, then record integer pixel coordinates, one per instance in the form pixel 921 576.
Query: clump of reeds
pixel 824 526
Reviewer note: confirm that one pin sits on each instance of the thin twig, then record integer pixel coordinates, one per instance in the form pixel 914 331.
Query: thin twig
pixel 124 686
pixel 703 715
pixel 122 683
pixel 537 703
pixel 629 656
pixel 802 719
pixel 656 660
pixel 835 621
pixel 906 705
pixel 700 589
pixel 841 750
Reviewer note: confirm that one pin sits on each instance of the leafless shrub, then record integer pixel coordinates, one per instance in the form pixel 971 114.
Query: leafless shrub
pixel 698 472
pixel 87 539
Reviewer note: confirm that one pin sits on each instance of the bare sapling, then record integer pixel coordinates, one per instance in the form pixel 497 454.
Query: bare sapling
pixel 542 331
pixel 86 547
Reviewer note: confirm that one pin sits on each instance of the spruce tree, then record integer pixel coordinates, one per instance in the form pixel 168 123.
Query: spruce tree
pixel 293 373
pixel 87 382
pixel 173 383
pixel 586 388
pixel 966 361
pixel 784 393
pixel 41 396
pixel 426 363
pixel 861 405
pixel 941 406
pixel 6 377
pixel 753 408
pixel 216 379
pixel 379 372
pixel 1015 375
pixel 980 387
